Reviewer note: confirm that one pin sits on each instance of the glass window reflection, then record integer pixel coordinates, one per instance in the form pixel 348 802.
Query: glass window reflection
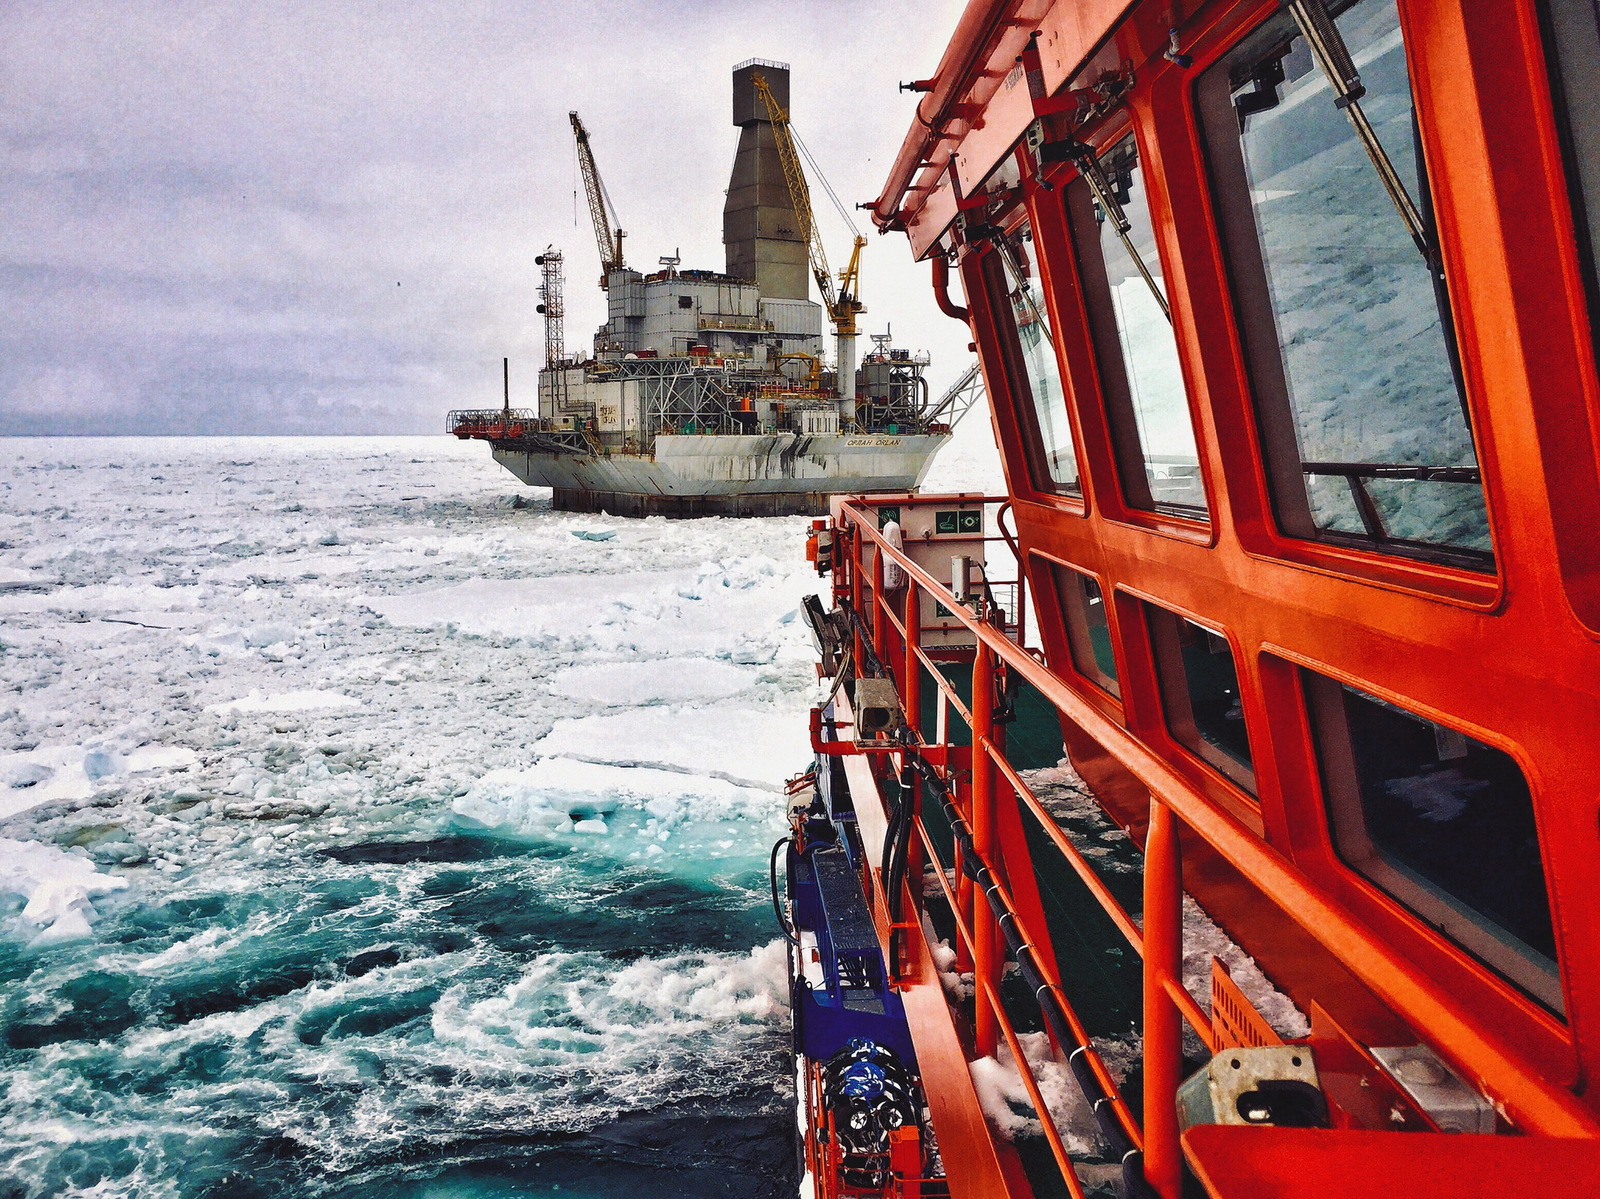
pixel 1140 377
pixel 1200 692
pixel 1083 610
pixel 1442 822
pixel 1025 300
pixel 1575 50
pixel 1345 317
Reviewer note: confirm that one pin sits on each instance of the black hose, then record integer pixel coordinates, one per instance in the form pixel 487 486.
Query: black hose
pixel 1044 993
pixel 898 808
pixel 988 591
pixel 869 654
pixel 897 813
pixel 900 843
pixel 896 850
pixel 777 904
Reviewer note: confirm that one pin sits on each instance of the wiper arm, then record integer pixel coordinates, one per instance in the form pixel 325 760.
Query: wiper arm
pixel 1333 56
pixel 1089 167
pixel 1082 156
pixel 1008 255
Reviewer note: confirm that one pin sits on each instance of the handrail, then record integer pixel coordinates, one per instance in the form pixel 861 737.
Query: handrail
pixel 1186 1004
pixel 1079 863
pixel 1124 1114
pixel 1004 919
pixel 1030 1082
pixel 1529 1101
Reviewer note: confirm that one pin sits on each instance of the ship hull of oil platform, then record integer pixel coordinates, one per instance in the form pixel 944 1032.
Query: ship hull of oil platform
pixel 775 474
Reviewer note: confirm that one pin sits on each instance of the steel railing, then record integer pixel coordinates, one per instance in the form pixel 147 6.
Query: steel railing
pixel 1528 1099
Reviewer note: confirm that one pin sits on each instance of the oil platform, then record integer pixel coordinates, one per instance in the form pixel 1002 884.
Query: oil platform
pixel 707 392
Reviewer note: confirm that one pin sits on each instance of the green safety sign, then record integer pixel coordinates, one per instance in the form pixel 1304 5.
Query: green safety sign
pixel 958 522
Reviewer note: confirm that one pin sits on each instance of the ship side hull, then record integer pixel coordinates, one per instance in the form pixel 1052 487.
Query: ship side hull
pixel 728 475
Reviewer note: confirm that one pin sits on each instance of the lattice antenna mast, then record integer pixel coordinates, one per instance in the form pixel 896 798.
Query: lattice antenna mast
pixel 553 307
pixel 607 228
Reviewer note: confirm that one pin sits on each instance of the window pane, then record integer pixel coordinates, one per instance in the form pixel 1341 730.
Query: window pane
pixel 1362 409
pixel 1025 296
pixel 1138 353
pixel 1083 608
pixel 1575 46
pixel 1200 692
pixel 1442 822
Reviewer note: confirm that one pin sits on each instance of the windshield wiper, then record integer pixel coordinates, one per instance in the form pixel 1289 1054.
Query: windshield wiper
pixel 1094 175
pixel 1008 255
pixel 1333 56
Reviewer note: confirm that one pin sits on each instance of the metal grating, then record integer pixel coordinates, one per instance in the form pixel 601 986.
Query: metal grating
pixel 1234 1019
pixel 848 922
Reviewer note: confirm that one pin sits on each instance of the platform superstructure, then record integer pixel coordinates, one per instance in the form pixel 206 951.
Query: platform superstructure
pixel 709 392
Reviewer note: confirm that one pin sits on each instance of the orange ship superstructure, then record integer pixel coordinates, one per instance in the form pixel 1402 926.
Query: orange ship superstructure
pixel 1287 313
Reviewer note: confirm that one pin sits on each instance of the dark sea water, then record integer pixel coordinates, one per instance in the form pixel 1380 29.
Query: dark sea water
pixel 452 1016
pixel 381 839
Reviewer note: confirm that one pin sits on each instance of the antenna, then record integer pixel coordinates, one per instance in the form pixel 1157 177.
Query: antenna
pixel 552 307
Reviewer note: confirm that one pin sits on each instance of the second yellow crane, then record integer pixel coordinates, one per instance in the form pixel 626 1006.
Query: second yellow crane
pixel 842 302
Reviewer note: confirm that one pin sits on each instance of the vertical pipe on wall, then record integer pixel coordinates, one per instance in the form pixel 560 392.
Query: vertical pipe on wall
pixel 880 612
pixel 911 681
pixel 986 935
pixel 1163 1046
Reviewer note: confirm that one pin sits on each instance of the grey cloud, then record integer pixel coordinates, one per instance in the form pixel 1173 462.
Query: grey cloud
pixel 321 216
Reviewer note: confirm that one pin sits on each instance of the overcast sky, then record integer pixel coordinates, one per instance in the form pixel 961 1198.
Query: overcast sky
pixel 321 215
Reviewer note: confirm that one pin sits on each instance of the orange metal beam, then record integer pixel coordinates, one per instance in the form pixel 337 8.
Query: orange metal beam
pixel 1163 1036
pixel 988 957
pixel 1313 1163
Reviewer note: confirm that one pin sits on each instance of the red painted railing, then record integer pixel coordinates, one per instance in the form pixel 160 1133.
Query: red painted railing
pixel 1483 1054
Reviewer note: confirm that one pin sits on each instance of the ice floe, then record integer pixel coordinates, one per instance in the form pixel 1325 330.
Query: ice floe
pixel 55 773
pixel 58 888
pixel 548 606
pixel 1009 1107
pixel 666 680
pixel 287 701
pixel 743 744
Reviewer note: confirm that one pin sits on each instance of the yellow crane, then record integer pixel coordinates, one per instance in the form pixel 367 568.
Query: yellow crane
pixel 607 232
pixel 843 302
